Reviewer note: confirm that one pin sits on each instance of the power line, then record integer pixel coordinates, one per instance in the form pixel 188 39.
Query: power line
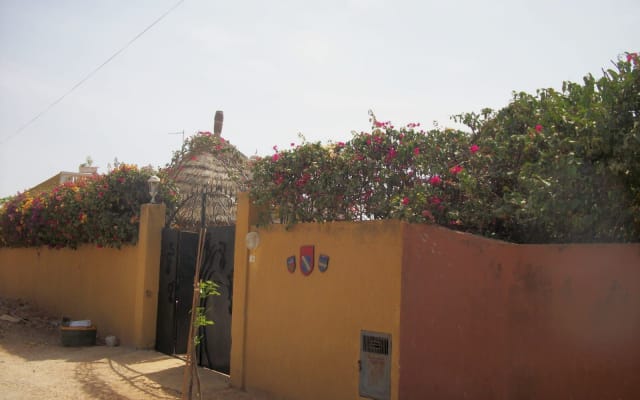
pixel 83 80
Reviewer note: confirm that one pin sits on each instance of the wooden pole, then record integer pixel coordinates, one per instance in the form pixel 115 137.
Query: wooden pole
pixel 191 366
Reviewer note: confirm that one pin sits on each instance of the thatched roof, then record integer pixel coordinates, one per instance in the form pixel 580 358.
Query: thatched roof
pixel 208 165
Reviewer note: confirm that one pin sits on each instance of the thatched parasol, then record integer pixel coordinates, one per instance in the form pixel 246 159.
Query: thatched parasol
pixel 208 171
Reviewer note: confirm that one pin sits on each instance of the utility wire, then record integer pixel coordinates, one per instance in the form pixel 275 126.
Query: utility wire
pixel 86 78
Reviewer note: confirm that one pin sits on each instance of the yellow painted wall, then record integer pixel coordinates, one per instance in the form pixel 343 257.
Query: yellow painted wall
pixel 116 289
pixel 302 333
pixel 89 283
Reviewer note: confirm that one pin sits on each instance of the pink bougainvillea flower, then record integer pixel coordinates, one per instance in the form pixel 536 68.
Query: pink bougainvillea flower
pixel 275 148
pixel 275 157
pixel 405 201
pixel 538 128
pixel 292 144
pixel 379 124
pixel 427 214
pixel 474 149
pixel 435 200
pixel 435 180
pixel 632 57
pixel 456 169
pixel 340 144
pixel 416 151
pixel 392 153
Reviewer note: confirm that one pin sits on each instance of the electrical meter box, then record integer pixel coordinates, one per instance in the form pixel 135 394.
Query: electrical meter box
pixel 375 365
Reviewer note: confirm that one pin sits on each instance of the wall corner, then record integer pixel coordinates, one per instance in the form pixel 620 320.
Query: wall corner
pixel 147 275
pixel 245 219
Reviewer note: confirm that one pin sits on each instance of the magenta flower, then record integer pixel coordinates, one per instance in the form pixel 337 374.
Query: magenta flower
pixel 405 201
pixel 474 149
pixel 435 180
pixel 538 128
pixel 435 200
pixel 456 169
pixel 275 157
pixel 416 151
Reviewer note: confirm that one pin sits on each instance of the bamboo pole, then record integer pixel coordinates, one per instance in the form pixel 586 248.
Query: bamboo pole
pixel 191 367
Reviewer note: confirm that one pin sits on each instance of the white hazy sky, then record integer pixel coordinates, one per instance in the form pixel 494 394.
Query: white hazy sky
pixel 276 68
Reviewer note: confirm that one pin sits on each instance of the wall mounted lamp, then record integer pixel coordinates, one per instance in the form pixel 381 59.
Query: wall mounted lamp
pixel 154 184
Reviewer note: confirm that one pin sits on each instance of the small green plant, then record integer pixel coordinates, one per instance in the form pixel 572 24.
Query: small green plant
pixel 207 288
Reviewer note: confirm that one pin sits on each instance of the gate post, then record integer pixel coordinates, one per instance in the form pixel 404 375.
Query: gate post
pixel 245 219
pixel 147 275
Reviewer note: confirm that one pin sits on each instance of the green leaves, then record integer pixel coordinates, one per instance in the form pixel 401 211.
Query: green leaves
pixel 557 166
pixel 103 210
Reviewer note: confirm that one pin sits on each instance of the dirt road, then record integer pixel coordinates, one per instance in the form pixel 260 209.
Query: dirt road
pixel 33 365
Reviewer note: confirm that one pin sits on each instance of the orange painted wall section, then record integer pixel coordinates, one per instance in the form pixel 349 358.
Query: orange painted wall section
pixel 303 332
pixel 483 319
pixel 87 283
pixel 116 289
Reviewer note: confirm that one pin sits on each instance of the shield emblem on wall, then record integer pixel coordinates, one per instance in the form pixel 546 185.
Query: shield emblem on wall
pixel 323 262
pixel 291 264
pixel 306 259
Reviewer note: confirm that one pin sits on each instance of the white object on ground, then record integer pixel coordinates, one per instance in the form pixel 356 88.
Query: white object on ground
pixel 9 318
pixel 81 323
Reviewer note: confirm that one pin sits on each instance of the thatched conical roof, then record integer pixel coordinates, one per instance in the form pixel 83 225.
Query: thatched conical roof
pixel 209 166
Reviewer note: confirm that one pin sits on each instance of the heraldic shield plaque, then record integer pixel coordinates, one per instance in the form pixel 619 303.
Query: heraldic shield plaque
pixel 323 262
pixel 291 264
pixel 306 259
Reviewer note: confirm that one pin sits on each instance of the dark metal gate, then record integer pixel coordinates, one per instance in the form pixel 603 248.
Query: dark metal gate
pixel 177 270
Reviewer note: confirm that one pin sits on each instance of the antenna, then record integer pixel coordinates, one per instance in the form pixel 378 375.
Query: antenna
pixel 178 133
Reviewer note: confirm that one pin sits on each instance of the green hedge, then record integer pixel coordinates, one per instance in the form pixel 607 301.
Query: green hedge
pixel 103 210
pixel 555 166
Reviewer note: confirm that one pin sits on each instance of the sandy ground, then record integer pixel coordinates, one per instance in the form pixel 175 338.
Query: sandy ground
pixel 34 365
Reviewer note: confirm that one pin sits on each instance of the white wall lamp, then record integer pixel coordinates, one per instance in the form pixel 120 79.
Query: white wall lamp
pixel 252 240
pixel 154 184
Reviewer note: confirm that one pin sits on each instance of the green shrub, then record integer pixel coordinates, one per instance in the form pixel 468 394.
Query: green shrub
pixel 103 210
pixel 557 166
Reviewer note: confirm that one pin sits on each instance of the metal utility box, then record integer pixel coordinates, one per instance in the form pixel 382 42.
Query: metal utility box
pixel 375 365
